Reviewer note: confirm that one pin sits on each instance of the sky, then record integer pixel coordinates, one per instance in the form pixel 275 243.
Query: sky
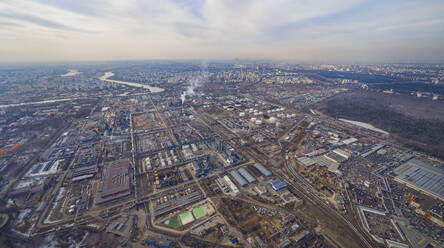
pixel 298 30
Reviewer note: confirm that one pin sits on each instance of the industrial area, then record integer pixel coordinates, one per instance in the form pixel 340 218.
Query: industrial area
pixel 219 163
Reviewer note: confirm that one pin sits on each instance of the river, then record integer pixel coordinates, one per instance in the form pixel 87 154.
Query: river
pixel 71 72
pixel 110 74
pixel 39 102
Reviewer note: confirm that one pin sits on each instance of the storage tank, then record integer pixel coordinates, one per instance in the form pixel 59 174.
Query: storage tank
pixel 272 120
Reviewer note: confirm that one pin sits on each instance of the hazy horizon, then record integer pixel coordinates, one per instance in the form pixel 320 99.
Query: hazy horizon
pixel 343 31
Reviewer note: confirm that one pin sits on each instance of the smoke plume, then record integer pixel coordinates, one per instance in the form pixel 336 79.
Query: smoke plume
pixel 195 82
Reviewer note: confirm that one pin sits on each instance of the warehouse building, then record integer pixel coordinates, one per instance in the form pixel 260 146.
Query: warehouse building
pixel 115 183
pixel 231 185
pixel 262 169
pixel 82 177
pixel 239 179
pixel 328 162
pixel 247 175
pixel 306 161
pixel 278 185
pixel 422 177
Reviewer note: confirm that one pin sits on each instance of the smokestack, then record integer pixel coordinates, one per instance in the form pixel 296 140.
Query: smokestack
pixel 182 107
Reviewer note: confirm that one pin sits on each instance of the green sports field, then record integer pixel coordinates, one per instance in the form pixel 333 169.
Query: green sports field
pixel 186 218
pixel 173 222
pixel 199 212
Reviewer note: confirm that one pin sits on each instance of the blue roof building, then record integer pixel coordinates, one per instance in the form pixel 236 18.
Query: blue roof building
pixel 277 184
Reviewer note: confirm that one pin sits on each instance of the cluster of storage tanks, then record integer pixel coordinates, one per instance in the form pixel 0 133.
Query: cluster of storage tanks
pixel 189 150
pixel 164 159
pixel 273 120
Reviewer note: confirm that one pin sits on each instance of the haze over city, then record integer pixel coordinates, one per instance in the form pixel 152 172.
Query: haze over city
pixel 305 31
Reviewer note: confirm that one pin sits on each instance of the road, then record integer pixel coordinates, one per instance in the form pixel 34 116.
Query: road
pixel 313 200
pixel 33 160
pixel 308 195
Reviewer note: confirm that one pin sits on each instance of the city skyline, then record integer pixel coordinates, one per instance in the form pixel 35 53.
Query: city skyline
pixel 323 31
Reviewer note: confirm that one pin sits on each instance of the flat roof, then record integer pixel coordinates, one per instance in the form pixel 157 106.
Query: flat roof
pixel 116 178
pixel 422 176
pixel 116 181
pixel 323 160
pixel 306 162
pixel 79 178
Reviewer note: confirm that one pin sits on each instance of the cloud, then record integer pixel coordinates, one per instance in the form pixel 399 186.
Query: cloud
pixel 333 30
pixel 36 20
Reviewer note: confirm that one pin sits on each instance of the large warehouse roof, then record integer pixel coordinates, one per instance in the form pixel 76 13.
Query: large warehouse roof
pixel 239 179
pixel 115 182
pixel 422 176
pixel 247 175
pixel 262 169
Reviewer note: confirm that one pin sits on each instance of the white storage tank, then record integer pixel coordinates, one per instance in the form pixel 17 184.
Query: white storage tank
pixel 272 120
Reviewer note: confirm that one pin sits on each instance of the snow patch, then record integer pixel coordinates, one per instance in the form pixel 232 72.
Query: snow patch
pixel 365 125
